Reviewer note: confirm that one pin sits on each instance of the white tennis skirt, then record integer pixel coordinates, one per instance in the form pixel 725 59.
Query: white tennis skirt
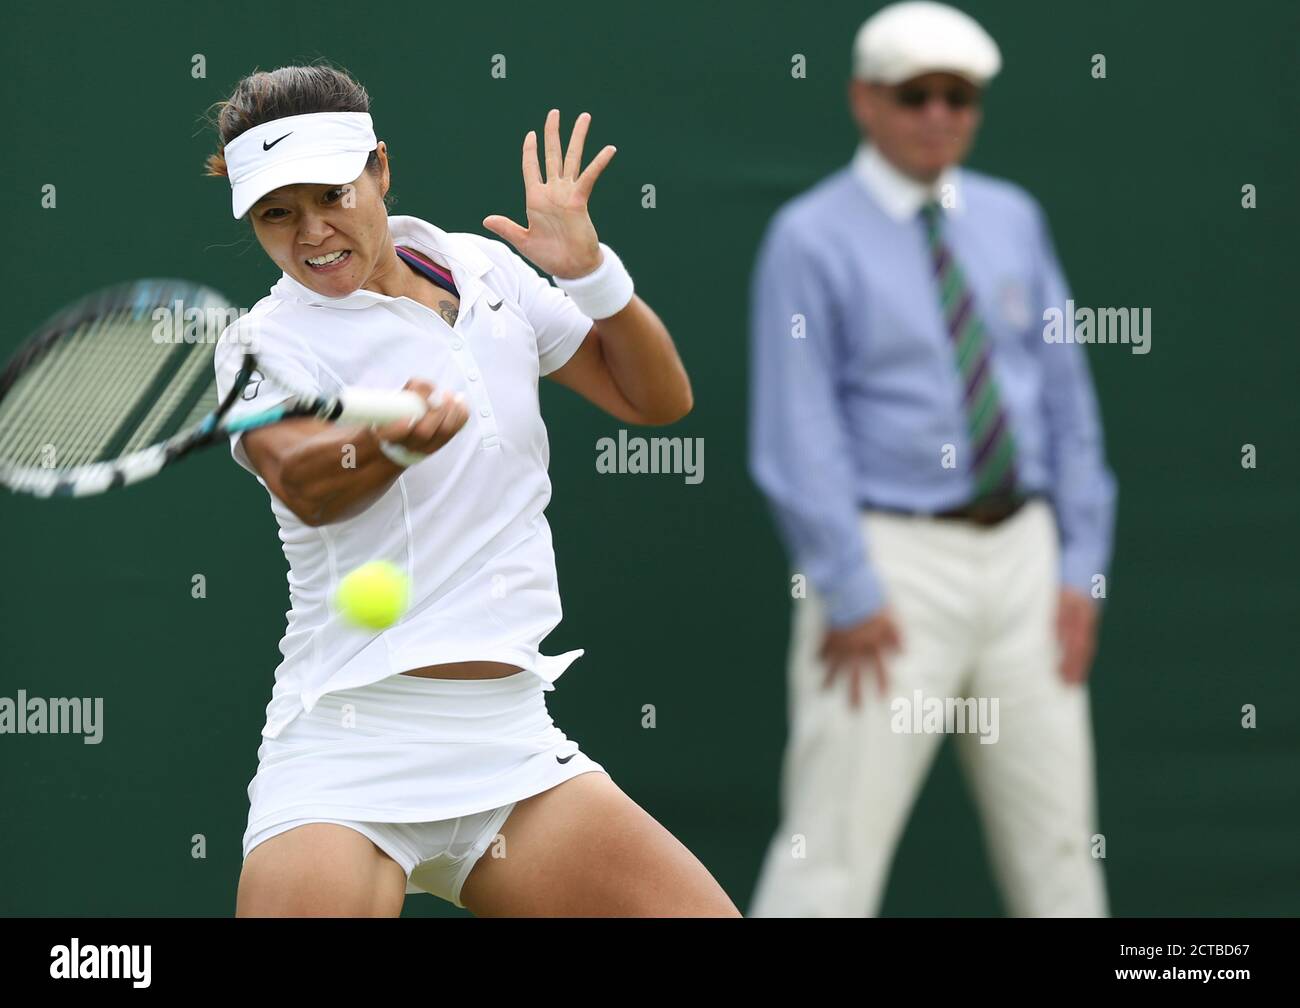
pixel 409 749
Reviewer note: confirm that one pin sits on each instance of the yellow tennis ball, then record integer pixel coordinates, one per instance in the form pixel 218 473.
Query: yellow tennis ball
pixel 374 595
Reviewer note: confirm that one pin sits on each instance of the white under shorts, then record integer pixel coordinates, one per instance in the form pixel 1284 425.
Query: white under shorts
pixel 428 769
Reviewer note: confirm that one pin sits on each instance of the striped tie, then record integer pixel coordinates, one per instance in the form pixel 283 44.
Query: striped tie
pixel 994 463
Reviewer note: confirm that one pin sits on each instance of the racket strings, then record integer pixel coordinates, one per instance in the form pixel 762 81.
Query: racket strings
pixel 34 406
pixel 178 400
pixel 102 390
pixel 109 378
pixel 69 398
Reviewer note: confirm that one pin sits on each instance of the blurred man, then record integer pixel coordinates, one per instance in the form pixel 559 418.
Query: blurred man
pixel 936 470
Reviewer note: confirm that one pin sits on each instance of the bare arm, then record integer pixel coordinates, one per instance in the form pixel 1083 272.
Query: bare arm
pixel 629 367
pixel 302 461
pixel 627 364
pixel 304 467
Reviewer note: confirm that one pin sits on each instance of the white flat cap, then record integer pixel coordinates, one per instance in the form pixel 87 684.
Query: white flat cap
pixel 907 39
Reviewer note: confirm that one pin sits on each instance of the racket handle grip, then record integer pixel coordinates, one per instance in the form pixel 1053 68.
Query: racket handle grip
pixel 379 406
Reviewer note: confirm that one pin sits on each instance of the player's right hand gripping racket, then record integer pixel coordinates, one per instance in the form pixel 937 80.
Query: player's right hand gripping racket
pixel 121 384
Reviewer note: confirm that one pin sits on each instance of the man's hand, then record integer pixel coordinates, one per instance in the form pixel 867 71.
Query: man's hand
pixel 560 238
pixel 851 650
pixel 1076 628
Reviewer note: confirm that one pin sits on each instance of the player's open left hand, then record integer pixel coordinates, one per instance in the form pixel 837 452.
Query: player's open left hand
pixel 560 238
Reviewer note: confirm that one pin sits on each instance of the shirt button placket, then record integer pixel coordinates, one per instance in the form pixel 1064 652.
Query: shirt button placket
pixel 477 390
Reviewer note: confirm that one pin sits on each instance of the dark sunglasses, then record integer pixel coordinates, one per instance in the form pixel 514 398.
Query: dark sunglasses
pixel 911 97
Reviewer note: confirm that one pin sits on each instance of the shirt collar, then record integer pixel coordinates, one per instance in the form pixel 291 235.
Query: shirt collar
pixel 899 195
pixel 467 265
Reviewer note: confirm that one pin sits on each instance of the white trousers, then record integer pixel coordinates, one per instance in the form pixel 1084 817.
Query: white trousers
pixel 976 612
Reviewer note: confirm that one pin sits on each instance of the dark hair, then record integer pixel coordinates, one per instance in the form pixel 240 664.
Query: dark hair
pixel 265 95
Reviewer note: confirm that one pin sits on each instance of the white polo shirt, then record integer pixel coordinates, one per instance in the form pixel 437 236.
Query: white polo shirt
pixel 466 524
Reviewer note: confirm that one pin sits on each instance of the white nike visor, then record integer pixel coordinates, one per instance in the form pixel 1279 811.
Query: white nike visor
pixel 319 147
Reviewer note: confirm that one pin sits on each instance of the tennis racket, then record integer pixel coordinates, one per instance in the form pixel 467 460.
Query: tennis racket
pixel 121 384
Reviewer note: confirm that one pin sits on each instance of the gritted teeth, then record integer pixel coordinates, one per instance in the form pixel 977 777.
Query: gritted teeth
pixel 325 260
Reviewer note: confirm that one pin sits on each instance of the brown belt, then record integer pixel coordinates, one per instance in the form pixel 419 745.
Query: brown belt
pixel 985 511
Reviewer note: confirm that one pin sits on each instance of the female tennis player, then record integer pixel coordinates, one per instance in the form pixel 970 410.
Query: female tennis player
pixel 421 758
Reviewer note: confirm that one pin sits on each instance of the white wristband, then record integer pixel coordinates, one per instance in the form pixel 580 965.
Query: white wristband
pixel 402 456
pixel 603 292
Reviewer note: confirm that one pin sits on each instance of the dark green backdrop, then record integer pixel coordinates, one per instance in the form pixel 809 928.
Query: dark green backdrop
pixel 678 592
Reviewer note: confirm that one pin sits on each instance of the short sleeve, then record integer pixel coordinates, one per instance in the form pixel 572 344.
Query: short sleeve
pixel 559 325
pixel 288 359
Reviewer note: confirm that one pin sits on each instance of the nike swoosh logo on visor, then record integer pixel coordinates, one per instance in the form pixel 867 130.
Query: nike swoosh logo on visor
pixel 267 146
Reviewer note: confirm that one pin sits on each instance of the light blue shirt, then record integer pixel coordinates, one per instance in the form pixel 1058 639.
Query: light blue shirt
pixel 855 395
